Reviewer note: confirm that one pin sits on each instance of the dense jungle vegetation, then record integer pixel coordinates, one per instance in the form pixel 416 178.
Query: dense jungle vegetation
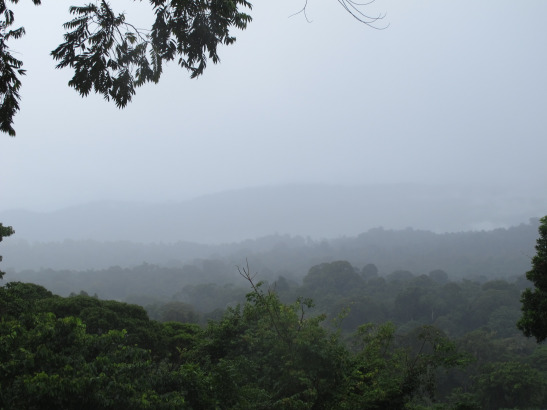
pixel 340 337
pixel 401 341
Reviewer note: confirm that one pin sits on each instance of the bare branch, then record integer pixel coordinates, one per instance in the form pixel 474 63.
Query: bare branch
pixel 355 10
pixel 271 309
pixel 303 11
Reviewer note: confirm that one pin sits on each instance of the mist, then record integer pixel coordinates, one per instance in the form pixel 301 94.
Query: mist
pixel 450 96
pixel 337 215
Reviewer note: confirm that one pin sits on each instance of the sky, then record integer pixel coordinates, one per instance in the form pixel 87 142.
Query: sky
pixel 450 92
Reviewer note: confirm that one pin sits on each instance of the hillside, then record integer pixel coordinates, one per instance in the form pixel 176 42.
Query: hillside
pixel 317 211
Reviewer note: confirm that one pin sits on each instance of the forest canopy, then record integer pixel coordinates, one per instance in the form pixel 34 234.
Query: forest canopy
pixel 265 353
pixel 340 337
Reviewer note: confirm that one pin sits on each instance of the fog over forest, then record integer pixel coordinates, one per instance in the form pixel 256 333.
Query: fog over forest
pixel 337 215
pixel 478 255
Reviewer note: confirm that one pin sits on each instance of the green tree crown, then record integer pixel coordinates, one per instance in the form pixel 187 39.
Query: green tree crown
pixel 534 301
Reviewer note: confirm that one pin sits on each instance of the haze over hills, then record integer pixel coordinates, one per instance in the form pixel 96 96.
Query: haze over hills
pixel 316 211
pixel 70 266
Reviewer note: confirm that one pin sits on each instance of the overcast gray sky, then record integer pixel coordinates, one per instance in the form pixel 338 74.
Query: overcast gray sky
pixel 452 91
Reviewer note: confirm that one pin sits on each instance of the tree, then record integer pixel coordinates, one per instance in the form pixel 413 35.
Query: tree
pixel 534 302
pixel 52 354
pixel 266 354
pixel 337 277
pixel 112 57
pixel 4 232
pixel 10 69
pixel 369 271
pixel 439 275
pixel 387 373
pixel 510 385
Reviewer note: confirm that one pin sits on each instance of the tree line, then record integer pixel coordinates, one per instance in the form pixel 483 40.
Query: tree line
pixel 351 339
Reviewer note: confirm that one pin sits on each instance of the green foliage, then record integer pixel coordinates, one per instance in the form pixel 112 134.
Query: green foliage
pixel 17 298
pixel 112 57
pixel 534 302
pixel 511 385
pixel 10 72
pixel 51 361
pixel 502 321
pixel 102 316
pixel 392 373
pixel 337 277
pixel 376 378
pixel 5 231
pixel 413 304
pixel 489 301
pixel 287 359
pixel 175 312
pixel 264 353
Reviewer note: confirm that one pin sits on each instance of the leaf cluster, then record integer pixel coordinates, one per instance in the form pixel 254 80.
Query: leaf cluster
pixel 11 69
pixel 534 301
pixel 5 231
pixel 264 354
pixel 112 57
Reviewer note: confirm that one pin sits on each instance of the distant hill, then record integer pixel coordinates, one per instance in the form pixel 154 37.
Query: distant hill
pixel 289 229
pixel 316 211
pixel 119 269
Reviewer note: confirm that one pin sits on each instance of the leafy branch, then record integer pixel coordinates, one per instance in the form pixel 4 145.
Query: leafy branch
pixel 113 57
pixel 5 231
pixel 287 321
pixel 273 312
pixel 11 69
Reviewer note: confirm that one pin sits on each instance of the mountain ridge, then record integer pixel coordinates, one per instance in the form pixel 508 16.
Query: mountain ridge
pixel 314 210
